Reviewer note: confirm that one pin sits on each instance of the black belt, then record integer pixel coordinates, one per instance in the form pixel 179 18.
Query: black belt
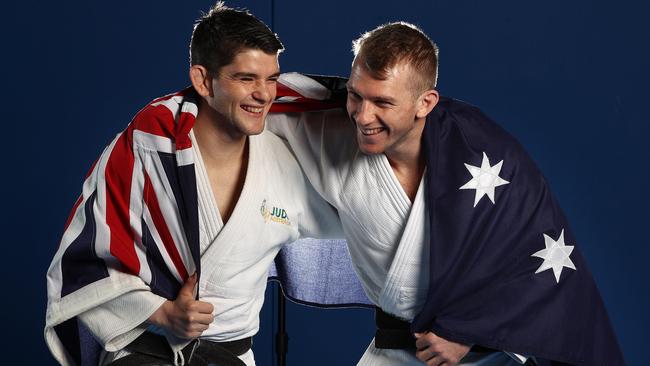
pixel 395 333
pixel 151 349
pixel 392 333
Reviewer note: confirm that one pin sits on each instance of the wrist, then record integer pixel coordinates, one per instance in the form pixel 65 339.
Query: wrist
pixel 160 316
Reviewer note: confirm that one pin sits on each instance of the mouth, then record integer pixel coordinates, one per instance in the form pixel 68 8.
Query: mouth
pixel 371 131
pixel 256 110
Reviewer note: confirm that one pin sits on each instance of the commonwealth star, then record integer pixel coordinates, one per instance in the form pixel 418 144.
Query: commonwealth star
pixel 484 179
pixel 555 256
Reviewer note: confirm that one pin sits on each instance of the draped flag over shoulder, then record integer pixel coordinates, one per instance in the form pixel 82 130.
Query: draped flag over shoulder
pixel 505 269
pixel 134 226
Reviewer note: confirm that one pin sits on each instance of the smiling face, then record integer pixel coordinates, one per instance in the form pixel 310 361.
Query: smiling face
pixel 242 93
pixel 389 114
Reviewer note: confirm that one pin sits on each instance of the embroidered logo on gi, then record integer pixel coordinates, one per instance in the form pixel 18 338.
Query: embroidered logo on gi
pixel 275 214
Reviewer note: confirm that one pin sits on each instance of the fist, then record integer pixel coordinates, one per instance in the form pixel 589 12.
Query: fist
pixel 437 351
pixel 185 317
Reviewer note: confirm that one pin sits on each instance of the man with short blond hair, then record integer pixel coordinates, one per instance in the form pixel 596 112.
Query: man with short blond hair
pixel 451 228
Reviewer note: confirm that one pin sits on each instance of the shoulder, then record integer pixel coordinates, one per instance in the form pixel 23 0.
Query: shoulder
pixel 274 152
pixel 472 121
pixel 314 121
pixel 466 135
pixel 161 116
pixel 467 125
pixel 326 135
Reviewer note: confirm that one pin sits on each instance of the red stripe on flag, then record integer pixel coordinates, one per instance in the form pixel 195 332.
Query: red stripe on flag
pixel 183 127
pixel 285 91
pixel 168 96
pixel 151 201
pixel 305 105
pixel 156 120
pixel 159 121
pixel 118 176
pixel 79 200
pixel 71 215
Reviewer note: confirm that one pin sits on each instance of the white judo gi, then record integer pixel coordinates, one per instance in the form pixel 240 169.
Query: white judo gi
pixel 276 206
pixel 388 235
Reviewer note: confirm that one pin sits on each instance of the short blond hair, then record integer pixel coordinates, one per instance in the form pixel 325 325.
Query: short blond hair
pixel 382 48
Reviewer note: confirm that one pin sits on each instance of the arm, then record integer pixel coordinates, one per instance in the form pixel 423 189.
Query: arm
pixel 319 219
pixel 322 142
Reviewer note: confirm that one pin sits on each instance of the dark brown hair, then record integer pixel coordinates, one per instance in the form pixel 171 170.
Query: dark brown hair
pixel 223 32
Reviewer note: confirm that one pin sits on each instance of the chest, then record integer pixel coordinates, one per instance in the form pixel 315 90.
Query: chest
pixel 226 184
pixel 375 200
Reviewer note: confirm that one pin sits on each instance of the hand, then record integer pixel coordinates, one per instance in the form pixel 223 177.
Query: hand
pixel 437 351
pixel 184 317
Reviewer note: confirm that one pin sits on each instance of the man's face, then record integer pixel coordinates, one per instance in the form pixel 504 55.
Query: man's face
pixel 384 111
pixel 244 90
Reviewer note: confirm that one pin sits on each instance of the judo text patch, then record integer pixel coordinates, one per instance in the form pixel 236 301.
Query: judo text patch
pixel 275 214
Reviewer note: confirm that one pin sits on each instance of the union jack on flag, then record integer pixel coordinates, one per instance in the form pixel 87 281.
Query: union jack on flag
pixel 134 226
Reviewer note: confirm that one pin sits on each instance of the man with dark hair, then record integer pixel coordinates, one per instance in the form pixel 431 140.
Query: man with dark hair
pixel 193 182
pixel 457 278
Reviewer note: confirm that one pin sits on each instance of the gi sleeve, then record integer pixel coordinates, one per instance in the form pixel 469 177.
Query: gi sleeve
pixel 323 143
pixel 319 219
pixel 117 322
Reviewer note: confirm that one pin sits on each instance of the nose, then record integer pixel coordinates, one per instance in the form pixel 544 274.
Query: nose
pixel 264 92
pixel 364 113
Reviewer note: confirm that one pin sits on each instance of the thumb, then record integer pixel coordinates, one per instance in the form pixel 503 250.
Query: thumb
pixel 418 335
pixel 188 286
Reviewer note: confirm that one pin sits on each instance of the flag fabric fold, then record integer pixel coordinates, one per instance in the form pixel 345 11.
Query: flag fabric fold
pixel 505 268
pixel 134 227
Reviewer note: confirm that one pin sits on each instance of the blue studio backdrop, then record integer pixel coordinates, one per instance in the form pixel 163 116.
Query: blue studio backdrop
pixel 568 79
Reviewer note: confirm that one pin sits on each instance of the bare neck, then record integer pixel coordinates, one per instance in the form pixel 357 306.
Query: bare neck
pixel 225 156
pixel 409 174
pixel 408 163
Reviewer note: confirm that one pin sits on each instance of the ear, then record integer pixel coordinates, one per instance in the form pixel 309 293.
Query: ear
pixel 426 103
pixel 201 80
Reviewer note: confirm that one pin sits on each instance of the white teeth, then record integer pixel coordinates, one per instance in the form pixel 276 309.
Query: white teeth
pixel 371 131
pixel 252 109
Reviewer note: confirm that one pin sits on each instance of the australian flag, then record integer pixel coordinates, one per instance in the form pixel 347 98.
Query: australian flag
pixel 505 269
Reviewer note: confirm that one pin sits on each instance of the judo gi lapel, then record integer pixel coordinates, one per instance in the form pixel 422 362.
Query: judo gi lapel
pixel 405 288
pixel 505 271
pixel 246 207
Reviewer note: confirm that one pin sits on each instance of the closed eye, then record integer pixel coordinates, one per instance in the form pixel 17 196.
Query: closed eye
pixel 353 95
pixel 384 103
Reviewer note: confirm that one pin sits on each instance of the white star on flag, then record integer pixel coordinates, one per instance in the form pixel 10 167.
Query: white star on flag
pixel 484 179
pixel 556 256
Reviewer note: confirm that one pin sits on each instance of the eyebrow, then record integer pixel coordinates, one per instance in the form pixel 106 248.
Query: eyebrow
pixel 252 75
pixel 384 99
pixel 380 98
